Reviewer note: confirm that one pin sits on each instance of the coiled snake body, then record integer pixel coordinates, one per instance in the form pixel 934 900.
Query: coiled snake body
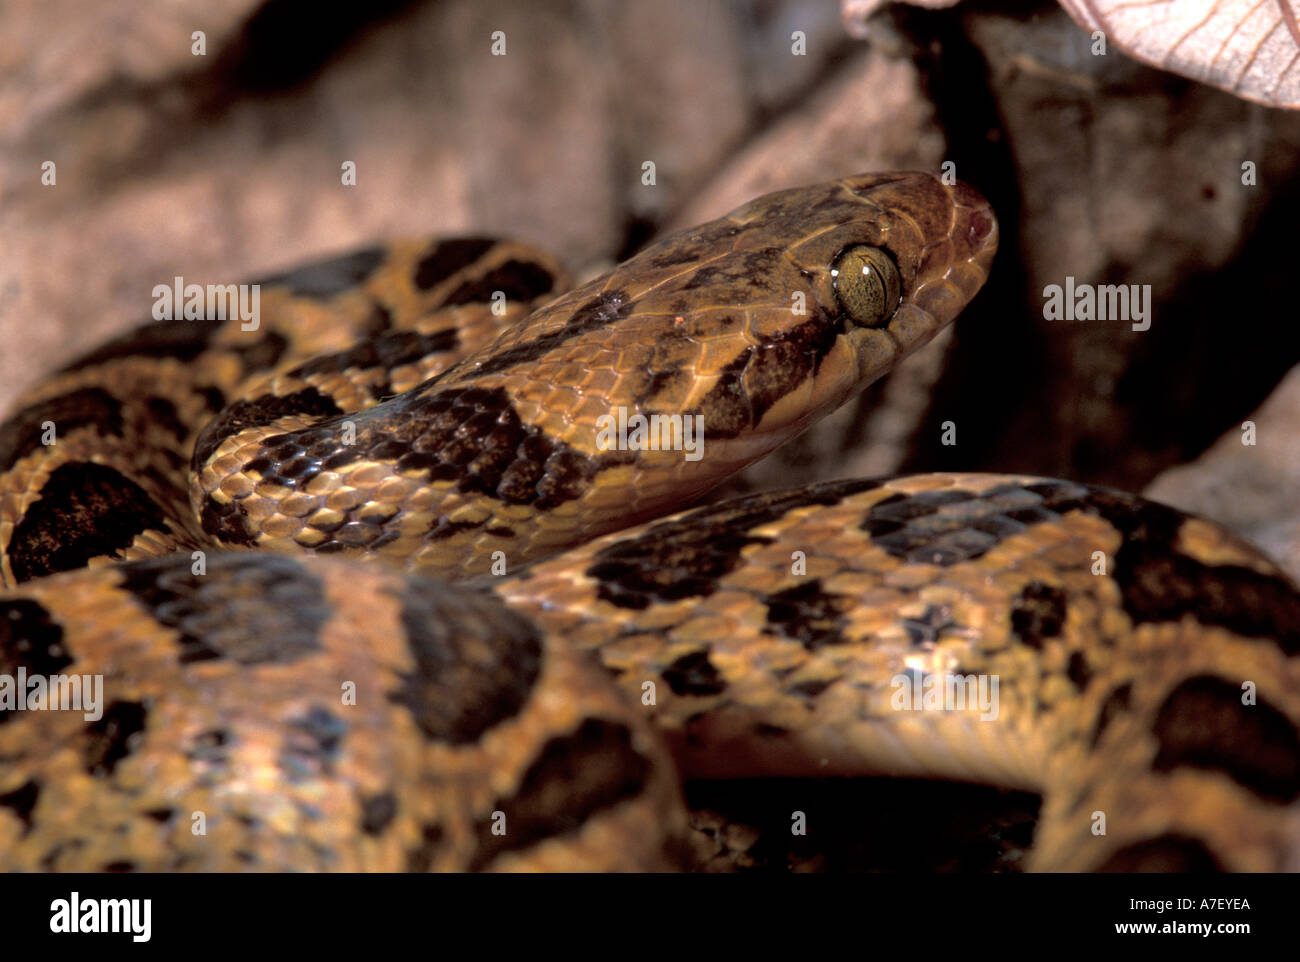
pixel 280 709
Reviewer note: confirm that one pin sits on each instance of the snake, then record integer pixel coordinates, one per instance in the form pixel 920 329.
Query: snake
pixel 363 588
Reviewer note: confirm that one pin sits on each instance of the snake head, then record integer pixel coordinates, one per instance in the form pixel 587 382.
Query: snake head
pixel 754 325
pixel 575 420
pixel 770 317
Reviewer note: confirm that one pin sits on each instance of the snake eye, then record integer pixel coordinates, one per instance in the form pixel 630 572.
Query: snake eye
pixel 866 284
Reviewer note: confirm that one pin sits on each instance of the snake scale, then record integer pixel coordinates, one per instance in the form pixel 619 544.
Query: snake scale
pixel 251 535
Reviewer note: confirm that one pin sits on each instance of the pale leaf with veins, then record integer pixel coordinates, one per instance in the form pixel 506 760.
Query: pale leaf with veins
pixel 1248 47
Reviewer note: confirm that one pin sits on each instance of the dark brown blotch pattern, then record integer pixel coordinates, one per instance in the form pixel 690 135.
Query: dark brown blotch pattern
pixel 475 663
pixel 30 639
pixel 385 352
pixel 377 812
pixel 738 273
pixel 930 625
pixel 226 523
pixel 85 511
pixel 114 737
pixel 469 437
pixel 686 557
pixel 1203 724
pixel 1158 583
pixel 809 614
pixel 572 778
pixel 1078 670
pixel 266 409
pixel 173 338
pixel 448 257
pixel 599 311
pixel 164 414
pixel 516 280
pixel 22 802
pixel 420 858
pixel 252 609
pixel 1117 702
pixel 694 674
pixel 1038 614
pixel 947 527
pixel 261 353
pixel 93 407
pixel 763 374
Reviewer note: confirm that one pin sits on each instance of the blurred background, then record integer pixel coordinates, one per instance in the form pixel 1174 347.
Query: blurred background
pixel 227 165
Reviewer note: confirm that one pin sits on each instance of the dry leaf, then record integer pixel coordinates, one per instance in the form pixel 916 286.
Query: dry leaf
pixel 1248 47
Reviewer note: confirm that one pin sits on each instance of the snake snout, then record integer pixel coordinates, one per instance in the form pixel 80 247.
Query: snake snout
pixel 975 227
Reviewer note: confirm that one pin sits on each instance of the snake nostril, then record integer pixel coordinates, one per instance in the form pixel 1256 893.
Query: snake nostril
pixel 981 225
